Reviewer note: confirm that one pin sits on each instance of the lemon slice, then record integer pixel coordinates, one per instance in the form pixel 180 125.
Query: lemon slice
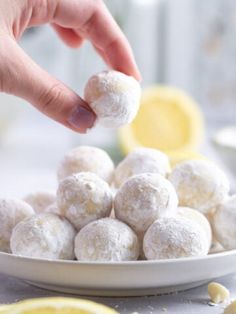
pixel 168 120
pixel 3 307
pixel 56 306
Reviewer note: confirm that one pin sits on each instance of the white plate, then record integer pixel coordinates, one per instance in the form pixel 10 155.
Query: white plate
pixel 119 279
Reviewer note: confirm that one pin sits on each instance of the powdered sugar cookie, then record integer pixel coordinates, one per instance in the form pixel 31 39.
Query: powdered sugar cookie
pixel 44 236
pixel 141 160
pixel 84 197
pixel 199 184
pixel 86 159
pixel 144 198
pixel 174 237
pixel 12 211
pixel 106 239
pixel 114 97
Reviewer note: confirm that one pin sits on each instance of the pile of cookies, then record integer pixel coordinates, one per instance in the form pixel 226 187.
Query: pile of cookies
pixel 139 210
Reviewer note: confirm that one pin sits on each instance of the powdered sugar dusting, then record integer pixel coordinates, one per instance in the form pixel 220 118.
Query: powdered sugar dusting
pixel 144 198
pixel 44 236
pixel 12 211
pixel 106 239
pixel 224 223
pixel 174 237
pixel 40 200
pixel 86 158
pixel 84 197
pixel 114 97
pixel 141 160
pixel 198 218
pixel 199 184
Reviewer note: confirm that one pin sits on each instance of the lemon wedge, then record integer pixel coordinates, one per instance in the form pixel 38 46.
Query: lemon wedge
pixel 168 120
pixel 56 306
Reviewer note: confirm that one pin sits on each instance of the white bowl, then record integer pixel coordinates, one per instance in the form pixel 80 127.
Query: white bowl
pixel 119 278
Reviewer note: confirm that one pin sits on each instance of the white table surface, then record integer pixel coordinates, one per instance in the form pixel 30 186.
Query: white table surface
pixel 193 301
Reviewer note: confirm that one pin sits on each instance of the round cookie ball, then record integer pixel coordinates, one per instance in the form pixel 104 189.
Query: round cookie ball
pixel 224 223
pixel 40 200
pixel 84 197
pixel 114 97
pixel 199 218
pixel 199 184
pixel 12 211
pixel 106 239
pixel 44 235
pixel 86 159
pixel 141 160
pixel 174 237
pixel 144 198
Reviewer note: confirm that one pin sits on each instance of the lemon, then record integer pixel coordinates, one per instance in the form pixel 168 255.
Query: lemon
pixel 56 306
pixel 168 120
pixel 3 307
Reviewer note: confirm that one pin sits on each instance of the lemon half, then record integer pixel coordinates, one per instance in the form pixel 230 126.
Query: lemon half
pixel 56 306
pixel 168 120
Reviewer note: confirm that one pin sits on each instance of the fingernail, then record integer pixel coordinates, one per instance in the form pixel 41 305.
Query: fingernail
pixel 82 119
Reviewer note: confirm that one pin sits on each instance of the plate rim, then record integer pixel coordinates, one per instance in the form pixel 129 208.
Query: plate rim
pixel 123 263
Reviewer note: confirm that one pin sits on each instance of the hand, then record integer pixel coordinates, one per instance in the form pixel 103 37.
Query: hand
pixel 74 21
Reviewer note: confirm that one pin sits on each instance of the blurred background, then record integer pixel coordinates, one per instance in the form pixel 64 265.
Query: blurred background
pixel 189 44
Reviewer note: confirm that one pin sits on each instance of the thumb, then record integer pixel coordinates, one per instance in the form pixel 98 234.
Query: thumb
pixel 21 76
